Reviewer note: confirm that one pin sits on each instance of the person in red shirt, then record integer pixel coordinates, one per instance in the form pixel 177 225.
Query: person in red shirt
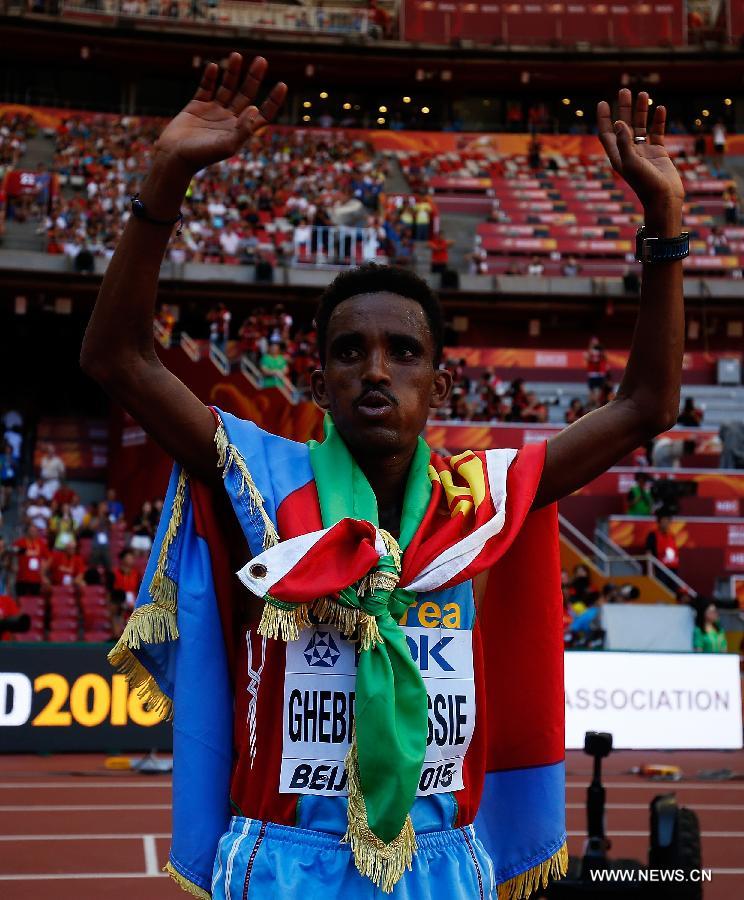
pixel 67 567
pixel 662 544
pixel 439 252
pixel 63 494
pixel 12 620
pixel 32 561
pixel 124 582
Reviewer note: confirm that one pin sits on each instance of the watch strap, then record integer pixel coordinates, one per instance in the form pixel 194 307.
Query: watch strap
pixel 661 250
pixel 139 211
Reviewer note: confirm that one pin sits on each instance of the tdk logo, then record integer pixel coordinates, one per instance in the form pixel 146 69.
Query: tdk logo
pixel 429 654
pixel 322 651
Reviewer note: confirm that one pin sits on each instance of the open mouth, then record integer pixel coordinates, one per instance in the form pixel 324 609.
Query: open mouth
pixel 374 404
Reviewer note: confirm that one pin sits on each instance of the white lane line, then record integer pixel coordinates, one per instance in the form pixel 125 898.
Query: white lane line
pixel 81 837
pixel 85 807
pixel 77 785
pixel 71 876
pixel 720 807
pixel 151 854
pixel 673 785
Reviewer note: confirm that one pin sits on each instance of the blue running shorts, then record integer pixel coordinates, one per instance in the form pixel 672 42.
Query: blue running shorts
pixel 262 861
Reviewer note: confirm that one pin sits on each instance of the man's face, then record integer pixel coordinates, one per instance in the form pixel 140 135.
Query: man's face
pixel 379 382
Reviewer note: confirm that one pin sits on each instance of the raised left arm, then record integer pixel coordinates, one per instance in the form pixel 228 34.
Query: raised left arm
pixel 647 400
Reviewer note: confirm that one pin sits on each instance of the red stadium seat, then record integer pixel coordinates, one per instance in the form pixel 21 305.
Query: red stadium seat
pixel 66 636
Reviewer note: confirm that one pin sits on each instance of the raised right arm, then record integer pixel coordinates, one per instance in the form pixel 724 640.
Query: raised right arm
pixel 118 349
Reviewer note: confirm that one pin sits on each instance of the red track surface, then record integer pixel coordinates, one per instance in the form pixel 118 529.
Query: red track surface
pixel 71 829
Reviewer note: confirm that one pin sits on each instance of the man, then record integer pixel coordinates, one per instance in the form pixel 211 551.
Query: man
pixel 67 567
pixel 662 543
pixel 640 499
pixel 32 560
pixel 364 530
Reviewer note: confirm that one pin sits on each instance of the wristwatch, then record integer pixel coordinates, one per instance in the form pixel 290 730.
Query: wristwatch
pixel 139 211
pixel 661 250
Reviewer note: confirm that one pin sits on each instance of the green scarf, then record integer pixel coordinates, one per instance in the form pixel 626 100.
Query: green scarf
pixel 391 716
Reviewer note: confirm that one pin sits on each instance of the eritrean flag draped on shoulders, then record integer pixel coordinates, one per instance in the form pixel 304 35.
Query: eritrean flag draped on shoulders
pixel 462 517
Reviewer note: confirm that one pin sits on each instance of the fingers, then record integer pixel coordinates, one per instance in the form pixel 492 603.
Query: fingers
pixel 625 106
pixel 624 137
pixel 607 134
pixel 253 119
pixel 656 135
pixel 641 114
pixel 230 79
pixel 205 91
pixel 251 83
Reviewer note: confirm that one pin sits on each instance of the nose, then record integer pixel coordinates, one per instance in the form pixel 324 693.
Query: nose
pixel 376 370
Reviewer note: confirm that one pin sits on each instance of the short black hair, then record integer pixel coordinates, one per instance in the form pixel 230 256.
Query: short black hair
pixel 371 278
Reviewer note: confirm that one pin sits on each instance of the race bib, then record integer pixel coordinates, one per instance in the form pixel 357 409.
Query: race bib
pixel 129 599
pixel 67 578
pixel 318 708
pixel 102 538
pixel 33 564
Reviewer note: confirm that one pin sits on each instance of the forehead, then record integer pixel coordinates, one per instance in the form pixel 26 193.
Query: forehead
pixel 379 313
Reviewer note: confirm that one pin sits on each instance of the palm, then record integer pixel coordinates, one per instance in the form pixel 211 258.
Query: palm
pixel 645 166
pixel 219 120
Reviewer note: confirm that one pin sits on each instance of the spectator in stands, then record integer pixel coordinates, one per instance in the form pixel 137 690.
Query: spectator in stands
pixel 14 439
pixel 422 216
pixel 640 499
pixel 534 409
pixel 63 494
pixel 38 512
pixel 536 267
pixel 67 567
pixel 719 140
pixel 708 636
pixel 597 367
pixel 690 416
pixel 534 160
pixel 519 400
pixel 98 528
pixel 575 411
pixel 581 590
pixel 31 562
pixel 114 506
pixel 6 566
pixel 668 452
pixel 273 364
pixel 439 245
pixel 662 543
pixel 52 467
pixel 142 530
pixel 40 489
pixel 124 582
pixel 12 619
pixel 731 205
pixel 571 267
pixel 61 527
pixel 8 477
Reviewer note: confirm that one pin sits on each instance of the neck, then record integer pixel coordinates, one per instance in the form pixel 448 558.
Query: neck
pixel 387 476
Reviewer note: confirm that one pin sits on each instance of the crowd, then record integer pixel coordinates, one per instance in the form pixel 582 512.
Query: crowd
pixel 489 399
pixel 250 208
pixel 67 544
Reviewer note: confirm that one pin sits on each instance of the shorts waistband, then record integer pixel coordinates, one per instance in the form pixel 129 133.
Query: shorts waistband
pixel 290 834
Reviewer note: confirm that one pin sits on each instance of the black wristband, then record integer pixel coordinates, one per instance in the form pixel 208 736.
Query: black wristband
pixel 661 250
pixel 139 211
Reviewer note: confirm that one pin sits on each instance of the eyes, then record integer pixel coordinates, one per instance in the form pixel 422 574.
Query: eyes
pixel 401 349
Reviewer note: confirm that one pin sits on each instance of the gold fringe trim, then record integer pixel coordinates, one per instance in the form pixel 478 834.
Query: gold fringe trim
pixel 149 624
pixel 163 589
pixel 384 864
pixel 141 681
pixel 369 632
pixel 345 618
pixel 283 624
pixel 522 885
pixel 185 884
pixel 229 455
pixel 392 548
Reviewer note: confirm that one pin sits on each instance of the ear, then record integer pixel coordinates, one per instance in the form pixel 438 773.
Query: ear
pixel 318 387
pixel 441 388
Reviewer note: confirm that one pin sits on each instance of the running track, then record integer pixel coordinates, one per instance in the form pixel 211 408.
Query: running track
pixel 71 830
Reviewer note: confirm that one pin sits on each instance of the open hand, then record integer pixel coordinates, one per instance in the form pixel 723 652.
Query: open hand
pixel 645 166
pixel 218 121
